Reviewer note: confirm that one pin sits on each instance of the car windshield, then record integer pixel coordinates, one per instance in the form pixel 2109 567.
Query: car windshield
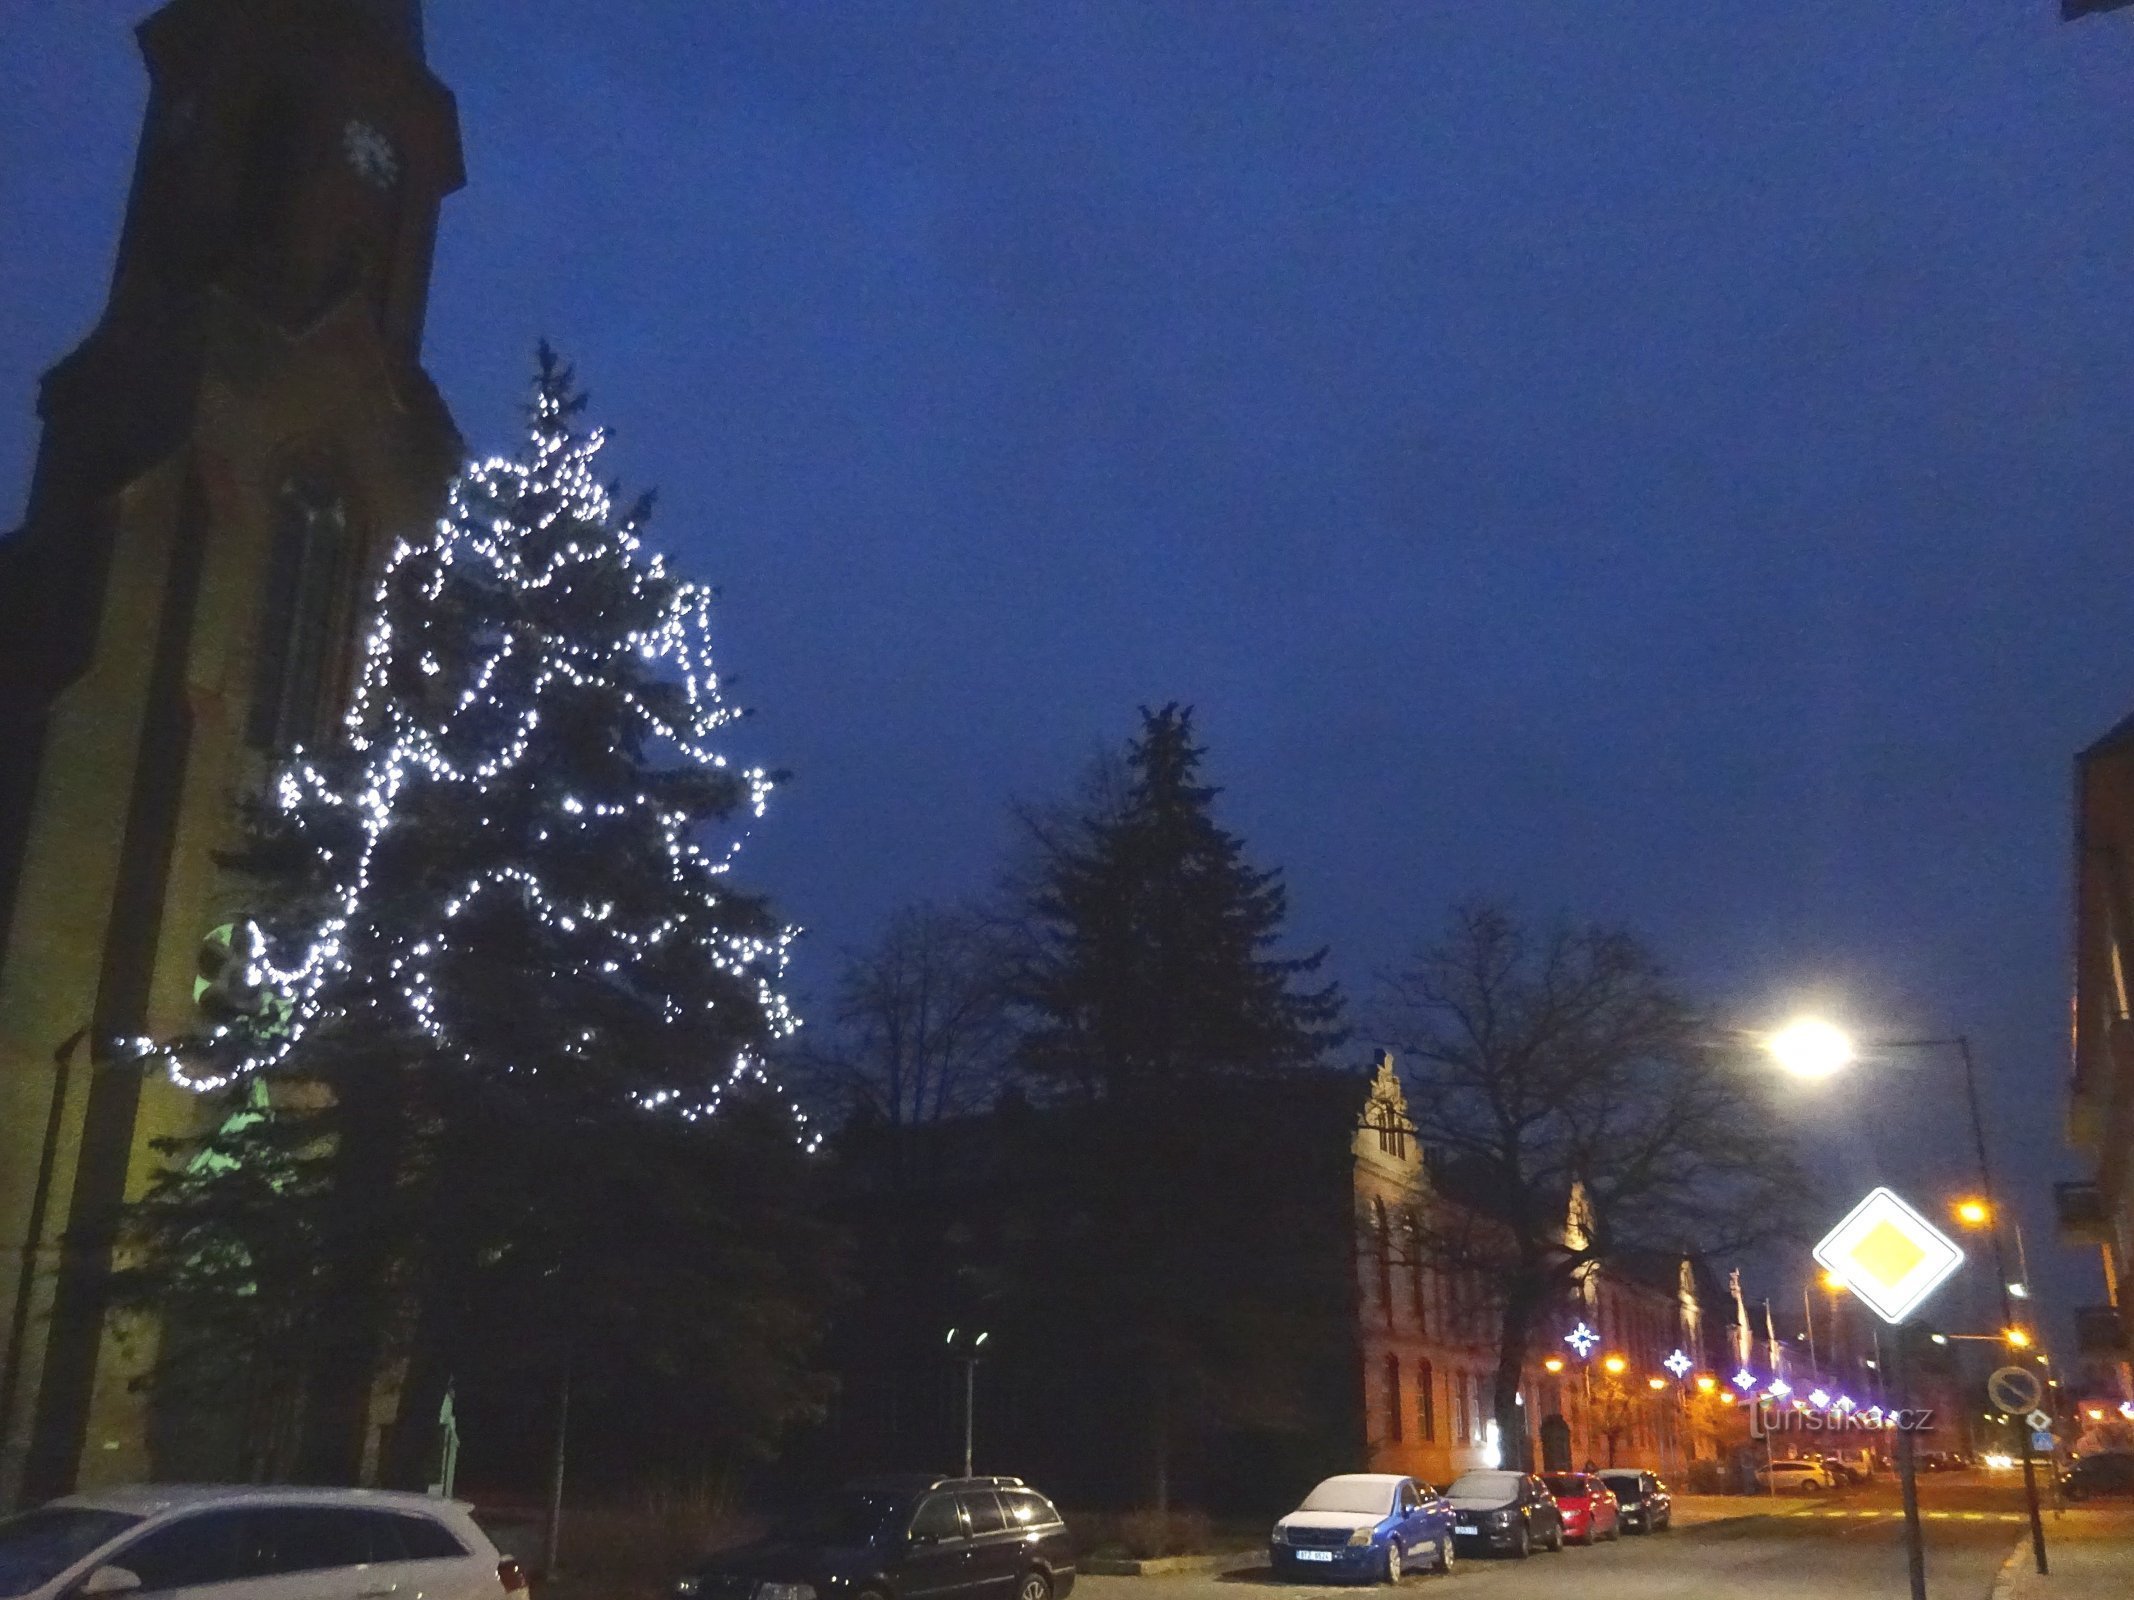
pixel 1484 1486
pixel 1368 1495
pixel 850 1518
pixel 1564 1483
pixel 1623 1485
pixel 38 1546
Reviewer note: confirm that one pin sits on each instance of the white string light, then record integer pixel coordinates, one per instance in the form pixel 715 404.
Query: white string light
pixel 409 736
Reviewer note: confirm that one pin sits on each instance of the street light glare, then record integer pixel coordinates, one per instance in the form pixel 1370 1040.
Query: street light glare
pixel 1809 1047
pixel 1973 1213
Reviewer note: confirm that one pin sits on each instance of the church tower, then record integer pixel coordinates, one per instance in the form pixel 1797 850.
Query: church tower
pixel 223 460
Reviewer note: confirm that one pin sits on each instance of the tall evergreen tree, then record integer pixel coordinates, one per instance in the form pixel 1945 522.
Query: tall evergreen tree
pixel 501 945
pixel 1171 1035
pixel 1150 959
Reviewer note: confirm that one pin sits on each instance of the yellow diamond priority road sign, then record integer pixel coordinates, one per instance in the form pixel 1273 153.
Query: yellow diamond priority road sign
pixel 1889 1255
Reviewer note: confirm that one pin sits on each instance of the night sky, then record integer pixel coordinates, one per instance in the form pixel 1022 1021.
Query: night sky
pixel 1662 462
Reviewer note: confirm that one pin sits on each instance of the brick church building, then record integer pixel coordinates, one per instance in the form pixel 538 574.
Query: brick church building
pixel 223 458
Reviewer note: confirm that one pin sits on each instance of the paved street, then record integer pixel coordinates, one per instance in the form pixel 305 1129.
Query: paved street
pixel 1849 1547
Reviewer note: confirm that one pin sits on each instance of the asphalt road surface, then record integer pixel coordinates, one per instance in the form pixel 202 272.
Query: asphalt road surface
pixel 1846 1546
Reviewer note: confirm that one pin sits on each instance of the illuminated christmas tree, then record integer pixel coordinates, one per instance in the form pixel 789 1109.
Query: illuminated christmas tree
pixel 498 976
pixel 506 865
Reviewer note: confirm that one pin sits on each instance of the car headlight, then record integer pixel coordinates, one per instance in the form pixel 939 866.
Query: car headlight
pixel 1360 1536
pixel 1277 1536
pixel 785 1591
pixel 1502 1519
pixel 685 1587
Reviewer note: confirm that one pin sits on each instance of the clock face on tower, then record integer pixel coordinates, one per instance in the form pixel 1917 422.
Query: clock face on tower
pixel 371 153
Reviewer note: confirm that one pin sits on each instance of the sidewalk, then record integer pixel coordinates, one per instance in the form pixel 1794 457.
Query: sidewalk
pixel 2091 1553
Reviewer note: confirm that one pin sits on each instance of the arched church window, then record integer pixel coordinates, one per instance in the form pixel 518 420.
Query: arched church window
pixel 267 170
pixel 1426 1401
pixel 307 572
pixel 1416 1269
pixel 1396 1415
pixel 1382 1242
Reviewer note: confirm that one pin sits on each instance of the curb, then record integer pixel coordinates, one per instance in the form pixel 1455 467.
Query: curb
pixel 1156 1566
pixel 2004 1581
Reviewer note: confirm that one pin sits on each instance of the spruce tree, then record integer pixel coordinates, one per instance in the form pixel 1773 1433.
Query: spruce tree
pixel 1172 1037
pixel 1152 960
pixel 510 964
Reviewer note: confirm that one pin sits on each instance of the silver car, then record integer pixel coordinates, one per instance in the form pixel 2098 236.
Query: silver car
pixel 252 1543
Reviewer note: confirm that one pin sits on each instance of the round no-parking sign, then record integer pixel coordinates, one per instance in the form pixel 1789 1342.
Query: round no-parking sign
pixel 2014 1389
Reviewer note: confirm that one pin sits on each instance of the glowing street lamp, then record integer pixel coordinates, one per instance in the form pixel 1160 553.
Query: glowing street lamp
pixel 1655 1383
pixel 1706 1383
pixel 1973 1212
pixel 1809 1047
pixel 1552 1364
pixel 1614 1365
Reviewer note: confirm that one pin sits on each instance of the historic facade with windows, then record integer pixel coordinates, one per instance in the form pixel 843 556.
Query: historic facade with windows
pixel 1427 1331
pixel 223 459
pixel 2099 1210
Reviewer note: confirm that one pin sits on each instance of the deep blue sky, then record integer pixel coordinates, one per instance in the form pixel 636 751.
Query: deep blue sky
pixel 1666 462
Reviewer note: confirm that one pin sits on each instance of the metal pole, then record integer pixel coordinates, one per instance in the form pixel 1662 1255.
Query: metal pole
pixel 2000 1276
pixel 970 1389
pixel 554 1538
pixel 1915 1550
pixel 1815 1367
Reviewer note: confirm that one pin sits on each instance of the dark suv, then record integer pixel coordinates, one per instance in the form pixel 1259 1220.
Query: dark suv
pixel 916 1537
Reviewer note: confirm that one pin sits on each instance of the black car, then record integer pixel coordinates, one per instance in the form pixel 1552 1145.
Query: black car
pixel 1512 1512
pixel 1647 1506
pixel 919 1537
pixel 2090 1477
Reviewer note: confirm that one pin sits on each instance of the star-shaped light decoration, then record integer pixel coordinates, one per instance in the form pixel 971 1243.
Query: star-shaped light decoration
pixel 1819 1398
pixel 1779 1387
pixel 1582 1339
pixel 1744 1380
pixel 1679 1364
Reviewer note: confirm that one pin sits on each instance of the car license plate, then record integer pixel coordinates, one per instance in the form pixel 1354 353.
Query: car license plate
pixel 1465 1527
pixel 1315 1555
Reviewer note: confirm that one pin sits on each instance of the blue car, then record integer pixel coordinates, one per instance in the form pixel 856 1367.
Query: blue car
pixel 1366 1526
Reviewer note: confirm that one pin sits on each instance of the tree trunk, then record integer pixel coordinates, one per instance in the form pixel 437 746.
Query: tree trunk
pixel 411 1440
pixel 1160 1418
pixel 369 1144
pixel 1522 1305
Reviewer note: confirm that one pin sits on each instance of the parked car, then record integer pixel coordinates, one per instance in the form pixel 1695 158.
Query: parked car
pixel 2098 1476
pixel 1841 1473
pixel 1793 1477
pixel 1511 1512
pixel 216 1543
pixel 1590 1513
pixel 1368 1525
pixel 915 1536
pixel 1643 1500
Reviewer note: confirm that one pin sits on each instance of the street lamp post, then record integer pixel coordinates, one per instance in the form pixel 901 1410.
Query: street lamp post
pixel 1812 1048
pixel 965 1349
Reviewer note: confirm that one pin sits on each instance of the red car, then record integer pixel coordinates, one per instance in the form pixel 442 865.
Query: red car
pixel 1589 1510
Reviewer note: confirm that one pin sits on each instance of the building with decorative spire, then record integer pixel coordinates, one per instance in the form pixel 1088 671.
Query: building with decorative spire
pixel 222 461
